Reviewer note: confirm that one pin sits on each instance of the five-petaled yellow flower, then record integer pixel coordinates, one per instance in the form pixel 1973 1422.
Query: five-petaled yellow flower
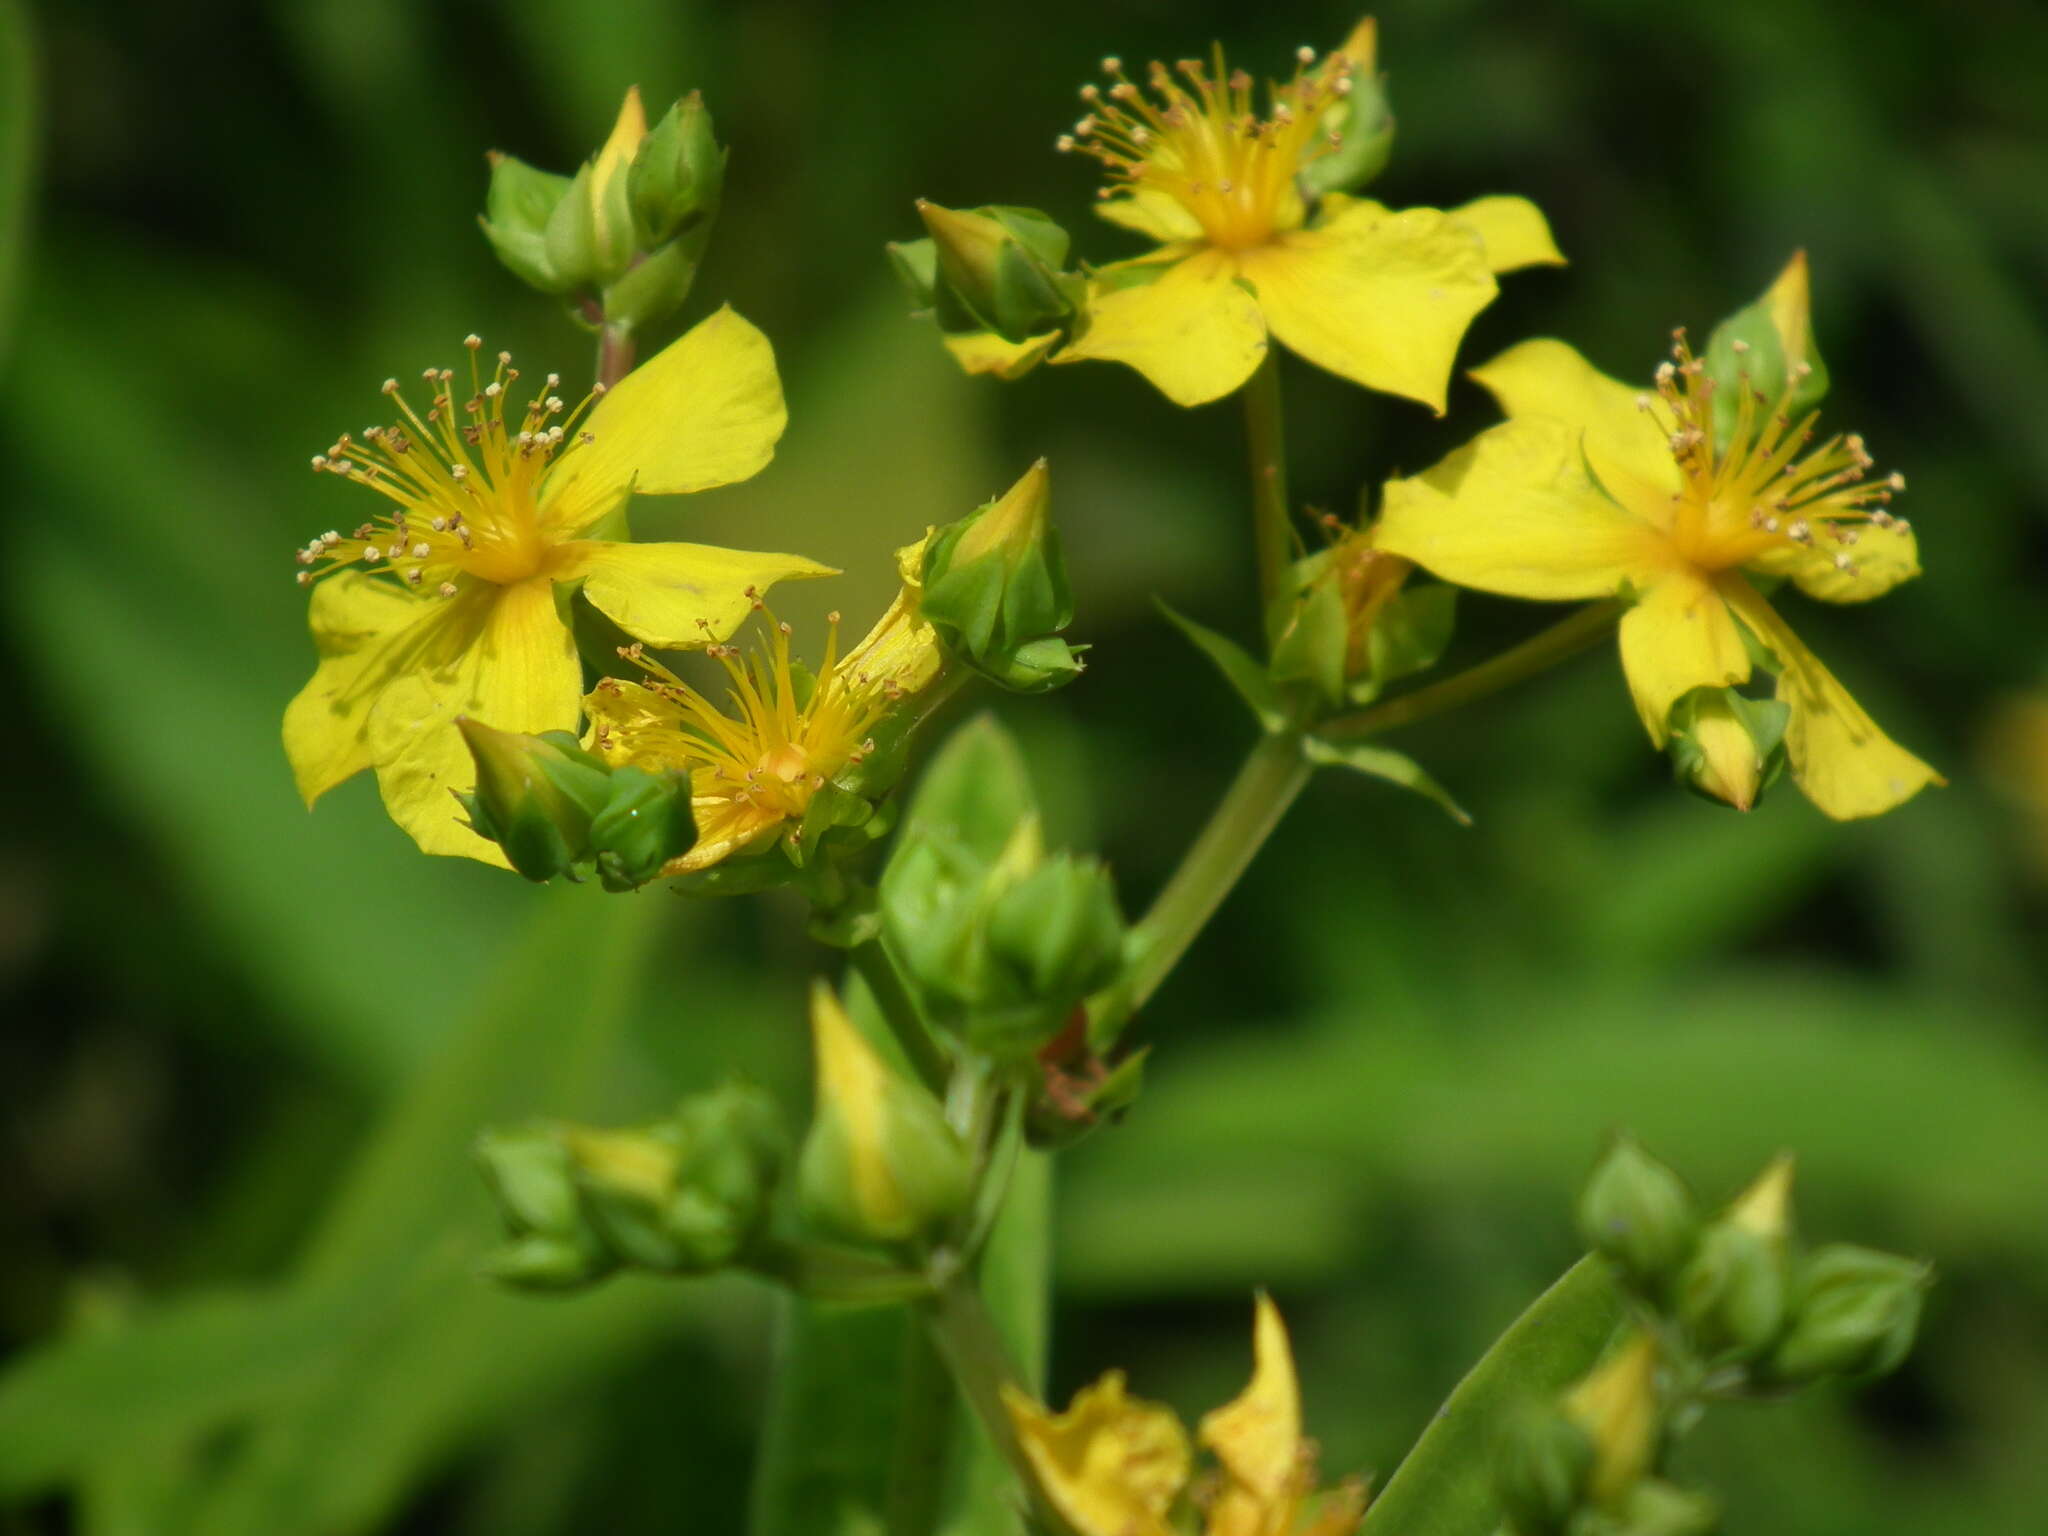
pixel 755 770
pixel 1593 489
pixel 1380 297
pixel 450 603
pixel 1115 1465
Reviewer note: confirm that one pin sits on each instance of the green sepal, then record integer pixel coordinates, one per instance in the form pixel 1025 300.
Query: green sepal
pixel 517 209
pixel 996 591
pixel 645 822
pixel 1247 678
pixel 1763 369
pixel 1312 638
pixel 1365 124
pixel 1409 635
pixel 1383 763
pixel 677 177
pixel 1541 1469
pixel 1732 1295
pixel 1855 1312
pixel 1052 1126
pixel 975 790
pixel 916 265
pixel 534 797
pixel 655 286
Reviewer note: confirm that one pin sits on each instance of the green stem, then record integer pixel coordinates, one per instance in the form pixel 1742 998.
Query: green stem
pixel 1272 776
pixel 1539 652
pixel 834 1274
pixel 924 1424
pixel 900 1010
pixel 614 354
pixel 1265 440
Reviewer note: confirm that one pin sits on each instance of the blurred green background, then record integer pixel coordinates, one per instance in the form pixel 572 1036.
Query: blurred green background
pixel 247 1047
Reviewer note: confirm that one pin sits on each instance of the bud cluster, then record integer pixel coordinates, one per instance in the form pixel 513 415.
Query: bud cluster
pixel 996 593
pixel 622 238
pixel 685 1195
pixel 556 809
pixel 1727 1306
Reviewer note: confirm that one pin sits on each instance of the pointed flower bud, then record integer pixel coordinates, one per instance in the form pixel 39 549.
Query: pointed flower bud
pixel 549 1245
pixel 1726 747
pixel 677 176
pixel 1358 126
pixel 515 219
pixel 1639 1214
pixel 880 1164
pixel 1855 1313
pixel 1763 359
pixel 534 797
pixel 1617 1407
pixel 994 280
pixel 996 593
pixel 1732 1295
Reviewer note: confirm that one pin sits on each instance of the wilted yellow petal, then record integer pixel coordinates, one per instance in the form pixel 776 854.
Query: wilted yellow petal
pixel 706 410
pixel 902 648
pixel 987 352
pixel 518 673
pixel 1195 332
pixel 1381 298
pixel 1514 511
pixel 1512 229
pixel 1678 637
pixel 673 595
pixel 1112 1464
pixel 1839 758
pixel 1153 213
pixel 1257 1435
pixel 369 630
pixel 1627 444
pixel 1880 559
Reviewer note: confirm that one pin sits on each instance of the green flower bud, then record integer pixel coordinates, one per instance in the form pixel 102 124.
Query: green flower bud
pixel 1544 1459
pixel 1766 352
pixel 1360 122
pixel 549 1246
pixel 1732 1295
pixel 996 593
pixel 534 797
pixel 1639 1214
pixel 1855 1313
pixel 517 208
pixel 1726 747
pixel 645 822
pixel 1057 935
pixel 999 269
pixel 880 1164
pixel 1618 1408
pixel 678 175
pixel 1657 1508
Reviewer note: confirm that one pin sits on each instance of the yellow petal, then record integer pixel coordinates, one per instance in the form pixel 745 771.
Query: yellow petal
pixel 1111 1465
pixel 986 352
pixel 1678 637
pixel 674 595
pixel 1257 1436
pixel 518 673
pixel 1629 446
pixel 1152 213
pixel 1845 765
pixel 1879 560
pixel 706 410
pixel 1195 332
pixel 1513 230
pixel 1514 511
pixel 369 630
pixel 1381 298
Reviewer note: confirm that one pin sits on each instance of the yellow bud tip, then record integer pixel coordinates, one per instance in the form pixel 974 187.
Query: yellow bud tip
pixel 1731 768
pixel 1015 522
pixel 1765 1208
pixel 1362 46
pixel 851 1082
pixel 1790 298
pixel 627 133
pixel 1616 1405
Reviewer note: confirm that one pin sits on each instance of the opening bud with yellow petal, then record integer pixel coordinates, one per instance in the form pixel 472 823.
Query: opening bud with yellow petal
pixel 880 1164
pixel 556 809
pixel 685 1195
pixel 1763 359
pixel 1855 1312
pixel 996 593
pixel 1358 126
pixel 1638 1214
pixel 994 279
pixel 1726 747
pixel 1732 1295
pixel 1618 1407
pixel 622 238
pixel 1351 624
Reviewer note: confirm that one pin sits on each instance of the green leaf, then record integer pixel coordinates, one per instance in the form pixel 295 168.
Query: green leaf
pixel 1382 763
pixel 1239 669
pixel 1444 1486
pixel 1314 639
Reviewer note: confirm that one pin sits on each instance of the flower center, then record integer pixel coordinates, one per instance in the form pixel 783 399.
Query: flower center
pixel 462 481
pixel 759 762
pixel 1766 488
pixel 1201 144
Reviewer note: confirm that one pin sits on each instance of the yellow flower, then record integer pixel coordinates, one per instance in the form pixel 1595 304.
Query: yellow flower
pixel 1380 297
pixel 448 604
pixel 1593 489
pixel 1114 1465
pixel 755 770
